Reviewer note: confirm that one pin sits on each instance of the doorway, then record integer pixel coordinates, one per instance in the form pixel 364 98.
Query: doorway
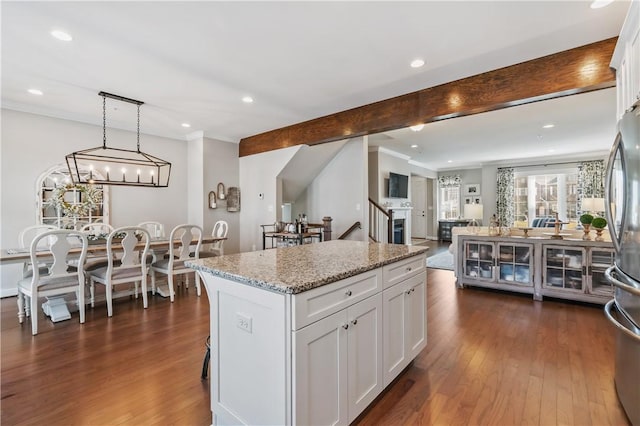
pixel 422 214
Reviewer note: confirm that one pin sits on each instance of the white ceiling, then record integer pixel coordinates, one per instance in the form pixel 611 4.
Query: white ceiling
pixel 194 61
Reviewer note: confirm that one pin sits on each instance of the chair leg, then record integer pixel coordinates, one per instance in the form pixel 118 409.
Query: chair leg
pixel 196 278
pixel 34 316
pixel 143 286
pixel 92 294
pixel 109 295
pixel 185 278
pixel 170 283
pixel 27 306
pixel 153 282
pixel 20 307
pixel 81 301
pixel 135 284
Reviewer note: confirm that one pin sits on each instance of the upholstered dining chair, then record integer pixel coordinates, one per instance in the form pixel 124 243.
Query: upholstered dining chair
pixel 184 239
pixel 130 267
pixel 58 279
pixel 26 236
pixel 220 230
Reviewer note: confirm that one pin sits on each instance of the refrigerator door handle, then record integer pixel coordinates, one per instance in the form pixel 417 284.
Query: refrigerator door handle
pixel 626 287
pixel 617 145
pixel 607 312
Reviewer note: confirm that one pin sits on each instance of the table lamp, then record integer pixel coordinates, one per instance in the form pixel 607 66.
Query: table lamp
pixel 593 205
pixel 473 212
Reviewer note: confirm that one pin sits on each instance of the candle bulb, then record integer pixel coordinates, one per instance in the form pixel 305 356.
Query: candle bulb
pixel 152 177
pixel 91 172
pixel 138 172
pixel 123 174
pixel 107 170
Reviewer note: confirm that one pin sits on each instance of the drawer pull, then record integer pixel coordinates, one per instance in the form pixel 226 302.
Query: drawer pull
pixel 348 293
pixel 408 269
pixel 345 326
pixel 354 322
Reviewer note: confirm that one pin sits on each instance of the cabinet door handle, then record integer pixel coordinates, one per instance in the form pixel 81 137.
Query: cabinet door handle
pixel 354 322
pixel 348 293
pixel 345 326
pixel 413 289
pixel 408 292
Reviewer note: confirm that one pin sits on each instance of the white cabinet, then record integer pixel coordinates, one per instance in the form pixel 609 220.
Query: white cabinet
pixel 338 364
pixel 405 324
pixel 314 357
pixel 626 60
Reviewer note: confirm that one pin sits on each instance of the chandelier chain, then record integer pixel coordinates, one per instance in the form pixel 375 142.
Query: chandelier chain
pixel 104 122
pixel 138 128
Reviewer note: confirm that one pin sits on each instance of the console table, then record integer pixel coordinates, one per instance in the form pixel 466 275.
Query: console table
pixel 445 226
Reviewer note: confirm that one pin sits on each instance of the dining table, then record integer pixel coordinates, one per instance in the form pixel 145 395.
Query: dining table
pixel 56 307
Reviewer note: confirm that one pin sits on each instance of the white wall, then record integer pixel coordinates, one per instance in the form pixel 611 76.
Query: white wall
pixel 340 191
pixel 258 175
pixel 32 143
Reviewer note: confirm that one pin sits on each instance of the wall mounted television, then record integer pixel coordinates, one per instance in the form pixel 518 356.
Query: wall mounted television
pixel 398 185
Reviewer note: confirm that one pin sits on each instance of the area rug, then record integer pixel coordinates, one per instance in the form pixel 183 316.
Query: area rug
pixel 442 260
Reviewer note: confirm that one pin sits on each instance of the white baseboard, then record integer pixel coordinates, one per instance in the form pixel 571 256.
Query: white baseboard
pixel 8 292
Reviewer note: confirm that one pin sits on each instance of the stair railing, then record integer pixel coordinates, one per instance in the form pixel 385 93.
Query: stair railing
pixel 380 228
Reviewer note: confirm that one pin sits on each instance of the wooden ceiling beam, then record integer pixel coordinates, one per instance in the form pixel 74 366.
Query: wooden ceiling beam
pixel 573 71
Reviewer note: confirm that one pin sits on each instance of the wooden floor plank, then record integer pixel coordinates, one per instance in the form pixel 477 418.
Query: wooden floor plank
pixel 491 359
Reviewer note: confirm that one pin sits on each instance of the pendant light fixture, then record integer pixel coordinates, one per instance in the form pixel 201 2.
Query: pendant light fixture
pixel 116 166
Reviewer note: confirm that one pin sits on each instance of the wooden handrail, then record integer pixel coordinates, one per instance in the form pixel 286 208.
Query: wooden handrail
pixel 352 228
pixel 379 207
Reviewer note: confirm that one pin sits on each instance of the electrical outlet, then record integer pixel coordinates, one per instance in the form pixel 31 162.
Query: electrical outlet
pixel 244 322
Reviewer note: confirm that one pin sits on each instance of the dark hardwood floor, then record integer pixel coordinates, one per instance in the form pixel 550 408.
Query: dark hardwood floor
pixel 491 359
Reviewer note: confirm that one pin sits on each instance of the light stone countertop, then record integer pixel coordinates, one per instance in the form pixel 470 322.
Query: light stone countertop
pixel 296 269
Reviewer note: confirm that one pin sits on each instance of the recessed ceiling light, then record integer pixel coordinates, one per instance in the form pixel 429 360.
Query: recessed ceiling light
pixel 417 127
pixel 414 146
pixel 61 35
pixel 597 4
pixel 449 161
pixel 548 126
pixel 247 99
pixel 417 63
pixel 552 150
pixel 35 92
pixel 186 125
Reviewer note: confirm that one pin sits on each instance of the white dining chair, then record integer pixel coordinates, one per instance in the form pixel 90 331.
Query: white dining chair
pixel 26 236
pixel 155 229
pixel 220 230
pixel 130 267
pixel 183 240
pixel 58 279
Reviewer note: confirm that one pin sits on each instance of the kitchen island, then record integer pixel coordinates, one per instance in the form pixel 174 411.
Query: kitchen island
pixel 311 334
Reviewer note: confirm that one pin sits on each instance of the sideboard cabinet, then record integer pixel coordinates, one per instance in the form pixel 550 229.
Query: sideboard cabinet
pixel 566 269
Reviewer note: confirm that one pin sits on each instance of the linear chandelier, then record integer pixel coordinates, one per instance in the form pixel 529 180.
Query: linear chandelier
pixel 116 166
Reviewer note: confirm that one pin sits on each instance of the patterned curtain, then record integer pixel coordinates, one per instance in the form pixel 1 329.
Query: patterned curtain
pixel 448 181
pixel 590 180
pixel 506 194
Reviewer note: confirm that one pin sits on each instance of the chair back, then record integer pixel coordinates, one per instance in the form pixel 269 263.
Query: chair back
pixel 97 228
pixel 182 239
pixel 126 239
pixel 27 235
pixel 220 229
pixel 155 229
pixel 60 243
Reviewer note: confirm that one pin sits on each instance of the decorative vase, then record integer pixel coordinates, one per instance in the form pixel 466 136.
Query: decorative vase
pixel 587 228
pixel 599 236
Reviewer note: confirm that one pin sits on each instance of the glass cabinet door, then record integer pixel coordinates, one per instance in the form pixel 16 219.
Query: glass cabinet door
pixel 563 268
pixel 515 264
pixel 600 260
pixel 479 260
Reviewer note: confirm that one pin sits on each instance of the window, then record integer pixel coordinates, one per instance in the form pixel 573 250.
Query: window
pixel 449 202
pixel 542 195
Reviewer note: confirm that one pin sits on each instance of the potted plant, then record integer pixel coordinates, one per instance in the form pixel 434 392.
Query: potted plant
pixel 586 220
pixel 599 223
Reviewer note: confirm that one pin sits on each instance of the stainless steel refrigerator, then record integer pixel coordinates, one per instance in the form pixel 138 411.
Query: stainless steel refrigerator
pixel 622 208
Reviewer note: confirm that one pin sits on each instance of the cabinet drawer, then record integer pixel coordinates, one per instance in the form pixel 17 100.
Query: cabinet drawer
pixel 320 302
pixel 394 273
